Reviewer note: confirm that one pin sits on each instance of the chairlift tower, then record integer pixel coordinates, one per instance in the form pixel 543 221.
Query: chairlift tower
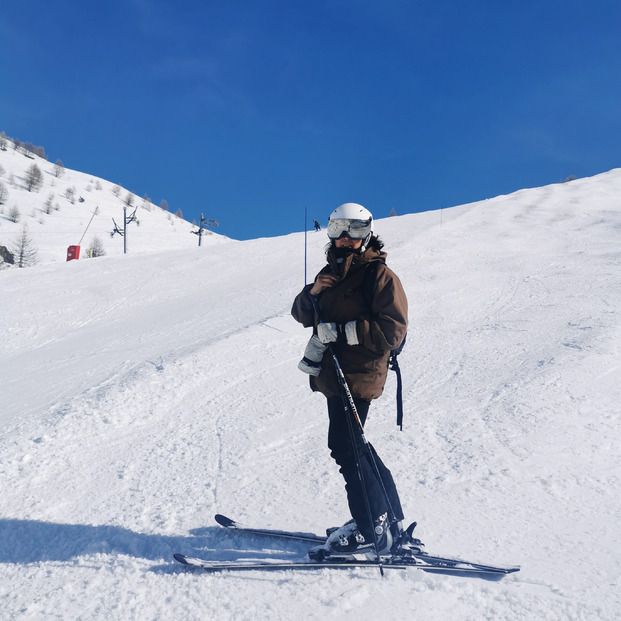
pixel 209 222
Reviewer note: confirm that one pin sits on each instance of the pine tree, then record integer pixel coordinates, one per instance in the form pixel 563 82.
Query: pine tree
pixel 23 250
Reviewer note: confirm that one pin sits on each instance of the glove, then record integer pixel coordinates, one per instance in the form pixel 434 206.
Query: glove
pixel 351 333
pixel 313 354
pixel 332 332
pixel 328 332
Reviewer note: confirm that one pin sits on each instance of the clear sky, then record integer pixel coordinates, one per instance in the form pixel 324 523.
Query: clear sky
pixel 251 110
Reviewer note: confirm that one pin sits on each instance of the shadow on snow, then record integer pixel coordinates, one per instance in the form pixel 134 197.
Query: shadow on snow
pixel 30 541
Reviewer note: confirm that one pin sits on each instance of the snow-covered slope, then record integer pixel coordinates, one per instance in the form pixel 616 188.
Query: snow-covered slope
pixel 56 220
pixel 142 394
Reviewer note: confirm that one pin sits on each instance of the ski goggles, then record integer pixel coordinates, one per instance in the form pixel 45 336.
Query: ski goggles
pixel 354 229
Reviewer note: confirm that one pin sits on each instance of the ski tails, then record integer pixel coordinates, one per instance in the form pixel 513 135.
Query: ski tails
pixel 265 532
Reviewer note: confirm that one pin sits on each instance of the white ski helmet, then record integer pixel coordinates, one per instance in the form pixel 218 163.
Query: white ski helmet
pixel 352 220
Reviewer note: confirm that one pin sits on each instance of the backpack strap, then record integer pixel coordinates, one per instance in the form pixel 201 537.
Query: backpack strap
pixel 393 365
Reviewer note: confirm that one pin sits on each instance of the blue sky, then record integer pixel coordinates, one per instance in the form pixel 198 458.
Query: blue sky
pixel 250 111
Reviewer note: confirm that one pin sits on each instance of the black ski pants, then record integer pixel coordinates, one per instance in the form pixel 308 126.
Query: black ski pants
pixel 342 451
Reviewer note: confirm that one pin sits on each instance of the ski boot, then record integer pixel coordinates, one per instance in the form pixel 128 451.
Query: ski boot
pixel 347 543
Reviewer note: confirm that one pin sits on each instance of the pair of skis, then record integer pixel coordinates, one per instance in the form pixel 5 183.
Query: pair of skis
pixel 410 559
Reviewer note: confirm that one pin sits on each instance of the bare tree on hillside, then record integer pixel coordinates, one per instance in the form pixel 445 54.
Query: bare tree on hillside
pixel 59 169
pixel 23 250
pixel 34 178
pixel 129 199
pixel 116 190
pixel 164 205
pixel 4 194
pixel 15 214
pixel 97 248
pixel 48 206
pixel 179 214
pixel 40 151
pixel 70 195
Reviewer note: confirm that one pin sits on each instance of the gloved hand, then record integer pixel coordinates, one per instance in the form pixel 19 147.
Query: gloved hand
pixel 329 332
pixel 313 354
pixel 332 332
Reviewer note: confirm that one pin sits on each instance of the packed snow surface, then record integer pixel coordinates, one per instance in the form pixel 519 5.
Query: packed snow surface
pixel 143 393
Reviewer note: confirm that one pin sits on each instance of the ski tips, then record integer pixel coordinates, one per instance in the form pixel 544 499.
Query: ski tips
pixel 225 521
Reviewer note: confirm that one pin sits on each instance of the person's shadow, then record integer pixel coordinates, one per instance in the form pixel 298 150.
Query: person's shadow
pixel 30 541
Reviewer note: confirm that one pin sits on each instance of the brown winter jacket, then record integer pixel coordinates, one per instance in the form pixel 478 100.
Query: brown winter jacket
pixel 371 294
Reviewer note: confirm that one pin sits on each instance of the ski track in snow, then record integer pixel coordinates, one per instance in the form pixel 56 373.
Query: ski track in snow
pixel 142 395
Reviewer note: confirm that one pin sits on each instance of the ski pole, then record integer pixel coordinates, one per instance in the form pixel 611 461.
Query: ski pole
pixel 305 242
pixel 350 408
pixel 349 400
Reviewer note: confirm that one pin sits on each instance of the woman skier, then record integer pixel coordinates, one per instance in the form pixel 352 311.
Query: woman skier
pixel 362 316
